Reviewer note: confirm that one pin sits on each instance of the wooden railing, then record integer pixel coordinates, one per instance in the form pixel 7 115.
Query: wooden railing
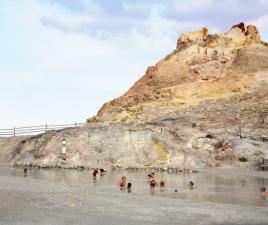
pixel 31 130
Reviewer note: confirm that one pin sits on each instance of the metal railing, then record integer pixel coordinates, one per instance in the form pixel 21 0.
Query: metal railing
pixel 31 130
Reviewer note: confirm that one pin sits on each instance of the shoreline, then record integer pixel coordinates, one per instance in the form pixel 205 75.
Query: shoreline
pixel 254 172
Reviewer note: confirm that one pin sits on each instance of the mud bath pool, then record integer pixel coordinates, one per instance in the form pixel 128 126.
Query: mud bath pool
pixel 72 197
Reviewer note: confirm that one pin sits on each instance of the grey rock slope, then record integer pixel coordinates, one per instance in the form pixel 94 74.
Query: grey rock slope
pixel 204 105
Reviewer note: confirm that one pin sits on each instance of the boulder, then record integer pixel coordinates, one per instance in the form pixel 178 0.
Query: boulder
pixel 252 34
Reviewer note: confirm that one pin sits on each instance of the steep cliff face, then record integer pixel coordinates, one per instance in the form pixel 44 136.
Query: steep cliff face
pixel 205 104
pixel 202 67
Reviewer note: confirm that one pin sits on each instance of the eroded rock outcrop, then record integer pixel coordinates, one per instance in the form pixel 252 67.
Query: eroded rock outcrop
pixel 203 105
pixel 241 26
pixel 199 57
pixel 196 36
pixel 252 34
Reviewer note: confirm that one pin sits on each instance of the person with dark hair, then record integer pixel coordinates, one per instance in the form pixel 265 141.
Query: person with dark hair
pixel 129 185
pixel 162 185
pixel 191 185
pixel 150 177
pixel 152 185
pixel 102 171
pixel 263 191
pixel 95 174
pixel 122 183
pixel 25 171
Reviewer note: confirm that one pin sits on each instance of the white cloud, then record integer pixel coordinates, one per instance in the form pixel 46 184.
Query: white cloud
pixel 60 60
pixel 65 77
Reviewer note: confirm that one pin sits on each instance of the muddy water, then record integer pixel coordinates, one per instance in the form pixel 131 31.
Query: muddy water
pixel 73 197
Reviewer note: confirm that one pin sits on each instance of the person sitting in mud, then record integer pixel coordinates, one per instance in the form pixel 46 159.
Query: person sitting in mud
pixel 150 177
pixel 152 185
pixel 25 171
pixel 129 187
pixel 191 185
pixel 162 185
pixel 263 191
pixel 95 174
pixel 102 171
pixel 122 183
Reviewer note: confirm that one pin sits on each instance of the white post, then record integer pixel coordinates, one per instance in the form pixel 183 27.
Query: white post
pixel 63 148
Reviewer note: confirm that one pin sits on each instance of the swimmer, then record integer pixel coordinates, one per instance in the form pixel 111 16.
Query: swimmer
pixel 191 185
pixel 162 185
pixel 95 174
pixel 102 171
pixel 122 183
pixel 152 185
pixel 129 187
pixel 263 191
pixel 150 177
pixel 25 172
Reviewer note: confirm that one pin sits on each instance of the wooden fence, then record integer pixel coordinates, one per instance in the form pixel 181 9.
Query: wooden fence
pixel 31 130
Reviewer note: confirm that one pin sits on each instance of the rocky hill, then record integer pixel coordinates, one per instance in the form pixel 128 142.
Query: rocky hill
pixel 203 105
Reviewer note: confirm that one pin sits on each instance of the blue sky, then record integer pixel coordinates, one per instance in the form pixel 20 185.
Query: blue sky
pixel 60 60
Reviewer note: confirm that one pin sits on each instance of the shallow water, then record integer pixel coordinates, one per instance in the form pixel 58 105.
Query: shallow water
pixel 73 197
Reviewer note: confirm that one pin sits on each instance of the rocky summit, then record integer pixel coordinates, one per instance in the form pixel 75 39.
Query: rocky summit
pixel 203 105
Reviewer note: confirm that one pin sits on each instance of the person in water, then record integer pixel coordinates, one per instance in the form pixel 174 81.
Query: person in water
pixel 129 187
pixel 162 185
pixel 122 183
pixel 263 191
pixel 152 185
pixel 150 177
pixel 191 185
pixel 95 174
pixel 25 171
pixel 102 171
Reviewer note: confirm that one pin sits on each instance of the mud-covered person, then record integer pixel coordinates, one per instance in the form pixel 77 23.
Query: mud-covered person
pixel 122 183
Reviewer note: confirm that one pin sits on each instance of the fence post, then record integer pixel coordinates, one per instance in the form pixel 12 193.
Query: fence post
pixel 14 133
pixel 46 127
